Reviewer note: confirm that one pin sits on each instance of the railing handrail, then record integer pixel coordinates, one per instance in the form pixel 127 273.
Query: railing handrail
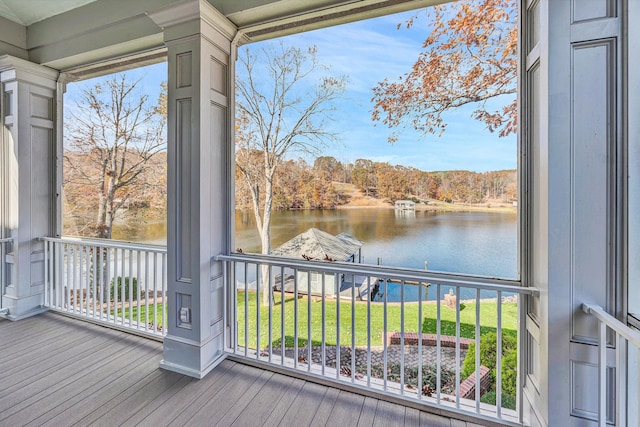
pixel 407 274
pixel 107 243
pixel 621 329
pixel 6 239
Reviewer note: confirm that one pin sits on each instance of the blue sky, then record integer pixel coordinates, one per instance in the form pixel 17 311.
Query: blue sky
pixel 370 51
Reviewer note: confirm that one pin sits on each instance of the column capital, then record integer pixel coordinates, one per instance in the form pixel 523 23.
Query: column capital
pixel 192 11
pixel 12 68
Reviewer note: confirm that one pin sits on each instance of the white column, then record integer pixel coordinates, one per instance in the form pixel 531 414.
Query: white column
pixel 198 39
pixel 572 122
pixel 28 169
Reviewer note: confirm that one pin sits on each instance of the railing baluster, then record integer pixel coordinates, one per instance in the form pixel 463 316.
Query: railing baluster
pixel 115 285
pixel 499 356
pixel 458 347
pixel 155 326
pixel 67 280
pixel 107 284
pixel 384 336
pixel 420 363
pixel 163 290
pixel 336 286
pixel 438 356
pixel 94 284
pixel 102 276
pixel 259 279
pixel 246 308
pixel 75 278
pixel 353 329
pixel 368 331
pixel 602 374
pixel 309 342
pixel 87 276
pixel 620 401
pixel 402 365
pixel 324 321
pixel 130 287
pixel 477 361
pixel 295 320
pixel 234 292
pixel 46 272
pixel 154 257
pixel 271 302
pixel 139 285
pixel 282 308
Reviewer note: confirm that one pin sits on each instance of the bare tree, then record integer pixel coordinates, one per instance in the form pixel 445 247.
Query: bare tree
pixel 280 111
pixel 112 136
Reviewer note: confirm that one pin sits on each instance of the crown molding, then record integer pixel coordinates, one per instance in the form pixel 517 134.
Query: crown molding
pixel 13 68
pixel 190 10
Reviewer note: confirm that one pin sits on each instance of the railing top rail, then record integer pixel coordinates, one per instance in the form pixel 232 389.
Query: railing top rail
pixel 106 243
pixel 613 323
pixel 477 282
pixel 6 239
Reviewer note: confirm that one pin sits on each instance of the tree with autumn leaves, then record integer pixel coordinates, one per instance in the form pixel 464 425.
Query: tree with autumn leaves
pixel 469 57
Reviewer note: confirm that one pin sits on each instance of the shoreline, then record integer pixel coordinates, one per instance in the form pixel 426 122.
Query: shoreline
pixel 444 207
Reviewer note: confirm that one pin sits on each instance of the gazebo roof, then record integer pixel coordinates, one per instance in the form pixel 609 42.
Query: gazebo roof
pixel 318 244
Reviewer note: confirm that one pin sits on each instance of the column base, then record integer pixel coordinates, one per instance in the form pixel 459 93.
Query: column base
pixel 21 308
pixel 190 358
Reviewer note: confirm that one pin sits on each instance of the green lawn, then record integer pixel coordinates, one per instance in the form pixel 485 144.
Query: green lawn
pixel 488 319
pixel 153 314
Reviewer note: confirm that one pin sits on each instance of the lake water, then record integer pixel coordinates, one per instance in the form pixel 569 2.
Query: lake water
pixel 481 243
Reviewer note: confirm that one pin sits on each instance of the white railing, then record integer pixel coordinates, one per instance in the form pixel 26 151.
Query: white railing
pixel 4 267
pixel 354 324
pixel 614 406
pixel 117 283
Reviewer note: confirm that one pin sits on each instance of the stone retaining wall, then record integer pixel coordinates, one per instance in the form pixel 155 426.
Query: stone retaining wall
pixel 411 338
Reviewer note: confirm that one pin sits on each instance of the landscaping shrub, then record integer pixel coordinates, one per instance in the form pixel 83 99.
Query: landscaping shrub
pixel 488 358
pixel 123 291
pixel 508 400
pixel 509 374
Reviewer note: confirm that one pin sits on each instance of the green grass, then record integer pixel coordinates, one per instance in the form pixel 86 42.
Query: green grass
pixel 488 320
pixel 153 314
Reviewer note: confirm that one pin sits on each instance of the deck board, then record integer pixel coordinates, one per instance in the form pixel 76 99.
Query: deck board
pixel 58 371
pixel 78 398
pixel 278 411
pixel 368 413
pixel 272 393
pixel 324 408
pixel 303 408
pixel 389 415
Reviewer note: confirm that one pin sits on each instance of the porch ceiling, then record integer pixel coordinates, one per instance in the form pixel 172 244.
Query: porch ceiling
pixel 31 11
pixel 241 12
pixel 66 34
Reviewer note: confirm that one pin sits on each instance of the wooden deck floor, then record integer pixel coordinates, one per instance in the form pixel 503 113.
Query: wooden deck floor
pixel 58 371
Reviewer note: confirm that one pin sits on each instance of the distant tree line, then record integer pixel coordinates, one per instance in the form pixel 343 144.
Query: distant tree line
pixel 299 185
